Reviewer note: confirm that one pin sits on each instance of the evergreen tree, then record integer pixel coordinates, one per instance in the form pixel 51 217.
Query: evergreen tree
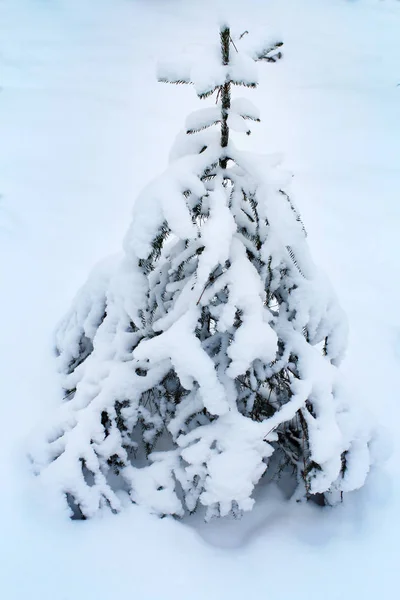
pixel 206 358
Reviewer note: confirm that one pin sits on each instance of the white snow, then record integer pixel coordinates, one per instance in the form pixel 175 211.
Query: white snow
pixel 246 108
pixel 216 234
pixel 193 364
pixel 255 338
pixel 203 118
pixel 83 127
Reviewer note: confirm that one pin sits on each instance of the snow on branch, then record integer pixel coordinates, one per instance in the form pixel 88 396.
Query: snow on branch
pixel 270 53
pixel 173 72
pixel 245 108
pixel 201 119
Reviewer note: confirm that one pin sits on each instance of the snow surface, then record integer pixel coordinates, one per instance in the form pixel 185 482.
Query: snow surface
pixel 83 127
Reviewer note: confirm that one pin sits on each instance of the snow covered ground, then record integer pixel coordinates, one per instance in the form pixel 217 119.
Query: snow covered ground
pixel 83 126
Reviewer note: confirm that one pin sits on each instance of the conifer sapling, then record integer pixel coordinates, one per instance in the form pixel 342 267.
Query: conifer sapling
pixel 205 359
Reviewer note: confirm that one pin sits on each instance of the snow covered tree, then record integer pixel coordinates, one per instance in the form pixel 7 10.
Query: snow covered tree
pixel 205 359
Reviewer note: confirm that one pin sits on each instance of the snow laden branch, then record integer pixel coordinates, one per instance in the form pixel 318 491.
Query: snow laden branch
pixel 204 361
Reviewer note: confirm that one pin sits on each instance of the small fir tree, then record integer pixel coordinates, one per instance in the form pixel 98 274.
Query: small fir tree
pixel 206 357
